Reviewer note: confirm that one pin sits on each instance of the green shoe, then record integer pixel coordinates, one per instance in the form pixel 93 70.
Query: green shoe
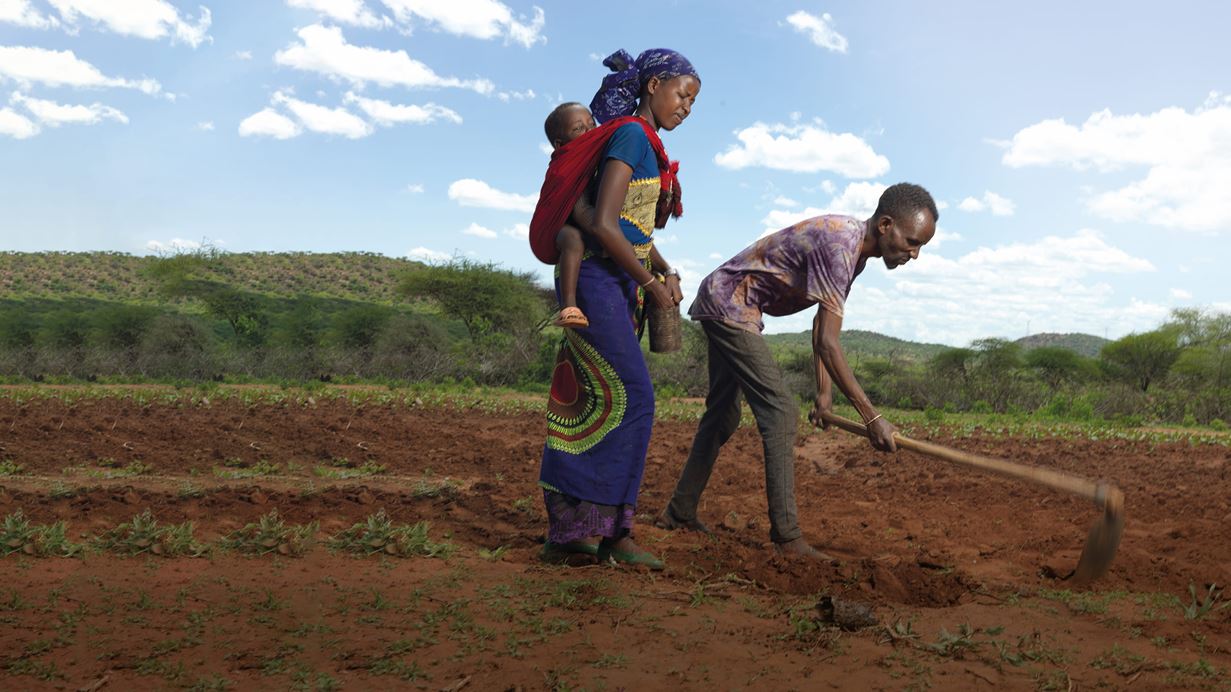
pixel 643 559
pixel 568 553
pixel 580 547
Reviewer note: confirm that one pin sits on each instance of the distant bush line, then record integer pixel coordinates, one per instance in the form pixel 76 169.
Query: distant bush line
pixel 213 316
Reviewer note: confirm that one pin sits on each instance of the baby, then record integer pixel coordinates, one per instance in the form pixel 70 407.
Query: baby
pixel 568 122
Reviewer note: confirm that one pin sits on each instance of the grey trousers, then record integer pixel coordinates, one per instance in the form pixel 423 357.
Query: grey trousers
pixel 740 361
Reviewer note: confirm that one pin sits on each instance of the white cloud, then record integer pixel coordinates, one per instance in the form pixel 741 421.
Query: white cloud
pixel 857 199
pixel 1186 154
pixel 469 192
pixel 386 113
pixel 16 125
pixel 21 13
pixel 425 255
pixel 507 96
pixel 546 148
pixel 803 148
pixel 941 205
pixel 1181 294
pixel 484 19
pixel 352 12
pixel 56 68
pixel 149 19
pixel 55 114
pixel 999 206
pixel 172 246
pixel 269 123
pixel 325 50
pixel 1057 283
pixel 478 231
pixel 206 126
pixel 942 236
pixel 518 230
pixel 819 29
pixel 716 255
pixel 781 201
pixel 778 219
pixel 415 188
pixel 322 119
pixel 243 55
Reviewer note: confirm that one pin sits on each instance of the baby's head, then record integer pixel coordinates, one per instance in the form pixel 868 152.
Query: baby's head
pixel 567 122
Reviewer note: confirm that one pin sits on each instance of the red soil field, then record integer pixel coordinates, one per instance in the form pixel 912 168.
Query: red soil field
pixel 954 563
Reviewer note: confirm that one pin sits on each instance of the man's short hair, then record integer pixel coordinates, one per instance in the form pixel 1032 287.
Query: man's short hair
pixel 902 200
pixel 553 127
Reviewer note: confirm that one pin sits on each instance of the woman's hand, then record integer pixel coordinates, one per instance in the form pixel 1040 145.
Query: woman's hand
pixel 660 294
pixel 673 285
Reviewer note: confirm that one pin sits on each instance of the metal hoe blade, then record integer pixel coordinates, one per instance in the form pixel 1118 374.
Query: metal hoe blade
pixel 1103 540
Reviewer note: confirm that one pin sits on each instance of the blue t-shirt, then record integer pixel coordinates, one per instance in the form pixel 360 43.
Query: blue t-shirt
pixel 630 145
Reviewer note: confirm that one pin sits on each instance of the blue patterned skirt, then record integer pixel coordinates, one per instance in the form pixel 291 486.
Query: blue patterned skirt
pixel 600 412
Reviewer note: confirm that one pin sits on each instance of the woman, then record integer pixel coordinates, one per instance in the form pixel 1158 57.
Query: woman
pixel 601 408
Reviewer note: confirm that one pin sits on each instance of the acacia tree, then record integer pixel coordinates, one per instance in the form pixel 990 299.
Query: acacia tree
pixel 1144 358
pixel 997 371
pixel 500 309
pixel 1204 365
pixel 484 297
pixel 1057 365
pixel 193 274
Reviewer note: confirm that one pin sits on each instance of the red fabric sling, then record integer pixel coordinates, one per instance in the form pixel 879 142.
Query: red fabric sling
pixel 570 171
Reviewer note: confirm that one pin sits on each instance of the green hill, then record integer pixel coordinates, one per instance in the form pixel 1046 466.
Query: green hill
pixel 1085 344
pixel 119 277
pixel 858 343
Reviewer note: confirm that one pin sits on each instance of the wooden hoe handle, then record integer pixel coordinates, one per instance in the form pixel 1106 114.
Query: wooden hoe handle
pixel 1096 492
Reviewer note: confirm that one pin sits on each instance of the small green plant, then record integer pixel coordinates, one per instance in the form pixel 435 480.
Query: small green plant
pixel 213 683
pixel 344 469
pixel 144 535
pixel 47 540
pixel 611 661
pixel 1198 608
pixel 1119 659
pixel 901 631
pixel 1218 424
pixel 955 644
pixel 305 681
pixel 270 534
pixel 8 467
pixel 1083 601
pixel 189 490
pixel 400 669
pixel 110 468
pixel 445 488
pixel 378 534
pixel 495 554
pixel 260 469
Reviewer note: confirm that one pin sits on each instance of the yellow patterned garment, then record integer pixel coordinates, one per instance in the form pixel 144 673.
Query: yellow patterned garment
pixel 640 205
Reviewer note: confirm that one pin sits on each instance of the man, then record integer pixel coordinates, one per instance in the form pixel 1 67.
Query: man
pixel 810 263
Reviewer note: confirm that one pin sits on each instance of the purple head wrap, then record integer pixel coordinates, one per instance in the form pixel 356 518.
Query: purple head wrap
pixel 619 93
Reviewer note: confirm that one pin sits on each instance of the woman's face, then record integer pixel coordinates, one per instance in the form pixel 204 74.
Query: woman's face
pixel 671 100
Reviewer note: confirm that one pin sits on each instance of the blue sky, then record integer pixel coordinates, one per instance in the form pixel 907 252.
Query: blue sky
pixel 1081 151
